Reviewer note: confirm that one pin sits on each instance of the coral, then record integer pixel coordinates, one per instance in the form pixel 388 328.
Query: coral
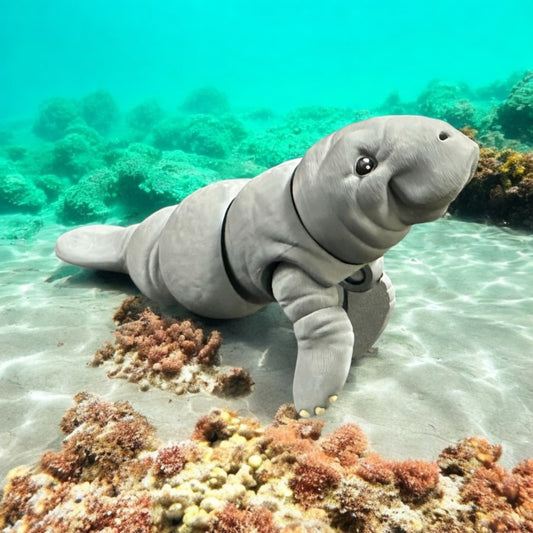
pixel 231 519
pixel 100 111
pixel 504 497
pixel 290 438
pixel 447 102
pixel 133 166
pixel 123 433
pixel 208 135
pixel 206 100
pixel 144 116
pixel 218 425
pixel 233 382
pixel 375 469
pixel 18 192
pixel 170 460
pixel 55 116
pixel 515 114
pixel 347 444
pixel 130 309
pixel 92 483
pixel 15 153
pixel 501 189
pixel 75 154
pixel 416 479
pixel 468 455
pixel 300 129
pixel 314 479
pixel 89 199
pixel 170 181
pixel 112 474
pixel 52 185
pixel 152 350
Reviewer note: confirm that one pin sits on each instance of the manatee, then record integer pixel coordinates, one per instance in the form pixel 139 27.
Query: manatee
pixel 309 234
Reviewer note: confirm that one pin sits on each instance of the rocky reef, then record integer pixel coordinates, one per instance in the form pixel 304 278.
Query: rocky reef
pixel 175 355
pixel 501 191
pixel 233 475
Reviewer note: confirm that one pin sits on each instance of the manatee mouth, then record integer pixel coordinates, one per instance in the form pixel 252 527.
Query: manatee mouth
pixel 410 211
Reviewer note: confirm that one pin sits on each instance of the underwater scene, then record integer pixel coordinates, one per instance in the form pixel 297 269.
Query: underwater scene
pixel 338 343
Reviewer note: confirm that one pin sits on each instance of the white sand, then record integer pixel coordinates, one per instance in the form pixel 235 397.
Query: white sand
pixel 454 362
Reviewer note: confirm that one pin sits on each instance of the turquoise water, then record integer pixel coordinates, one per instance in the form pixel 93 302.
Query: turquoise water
pixel 262 53
pixel 455 360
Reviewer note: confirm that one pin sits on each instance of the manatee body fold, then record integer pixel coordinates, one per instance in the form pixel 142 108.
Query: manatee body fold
pixel 309 233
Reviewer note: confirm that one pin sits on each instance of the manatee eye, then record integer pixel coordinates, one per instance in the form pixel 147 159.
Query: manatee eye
pixel 365 165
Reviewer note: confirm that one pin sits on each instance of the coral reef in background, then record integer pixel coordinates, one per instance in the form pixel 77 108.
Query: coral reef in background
pixel 19 193
pixel 206 100
pixel 100 111
pixel 299 130
pixel 233 475
pixel 144 116
pixel 515 115
pixel 89 199
pixel 447 102
pixel 501 190
pixel 173 355
pixel 210 135
pixel 158 157
pixel 55 116
pixel 170 180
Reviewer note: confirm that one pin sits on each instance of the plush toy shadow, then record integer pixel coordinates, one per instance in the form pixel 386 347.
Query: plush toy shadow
pixel 309 233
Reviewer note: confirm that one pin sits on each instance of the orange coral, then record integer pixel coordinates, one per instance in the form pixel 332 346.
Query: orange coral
pixel 83 457
pixel 231 519
pixel 171 460
pixel 111 475
pixel 314 478
pixel 157 339
pixel 292 438
pixel 463 458
pixel 101 449
pixel 375 469
pixel 346 443
pixel 415 479
pixel 152 350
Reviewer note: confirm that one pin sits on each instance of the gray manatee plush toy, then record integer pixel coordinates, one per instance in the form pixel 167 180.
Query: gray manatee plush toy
pixel 309 233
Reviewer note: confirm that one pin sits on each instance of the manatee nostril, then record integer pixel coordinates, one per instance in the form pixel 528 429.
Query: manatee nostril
pixel 443 135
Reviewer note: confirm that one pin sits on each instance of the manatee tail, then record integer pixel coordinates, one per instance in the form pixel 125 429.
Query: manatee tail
pixel 99 247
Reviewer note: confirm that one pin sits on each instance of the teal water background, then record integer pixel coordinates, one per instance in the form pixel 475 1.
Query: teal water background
pixel 279 54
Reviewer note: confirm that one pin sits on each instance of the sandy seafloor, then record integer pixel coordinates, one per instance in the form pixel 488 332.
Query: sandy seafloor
pixel 455 361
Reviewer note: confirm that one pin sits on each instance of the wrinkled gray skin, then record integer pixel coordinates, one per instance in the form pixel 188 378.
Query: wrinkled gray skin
pixel 309 234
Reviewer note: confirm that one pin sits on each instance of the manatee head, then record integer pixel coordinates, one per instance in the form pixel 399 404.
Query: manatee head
pixel 359 190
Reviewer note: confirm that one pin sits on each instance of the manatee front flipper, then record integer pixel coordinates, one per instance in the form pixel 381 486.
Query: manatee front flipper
pixel 324 334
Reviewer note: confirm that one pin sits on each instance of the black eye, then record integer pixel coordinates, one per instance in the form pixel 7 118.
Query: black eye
pixel 364 165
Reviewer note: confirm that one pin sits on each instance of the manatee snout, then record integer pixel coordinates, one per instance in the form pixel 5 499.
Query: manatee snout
pixel 446 162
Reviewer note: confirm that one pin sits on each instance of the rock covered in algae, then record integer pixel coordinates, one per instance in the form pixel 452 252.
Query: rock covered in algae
pixel 234 475
pixel 501 190
pixel 175 355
